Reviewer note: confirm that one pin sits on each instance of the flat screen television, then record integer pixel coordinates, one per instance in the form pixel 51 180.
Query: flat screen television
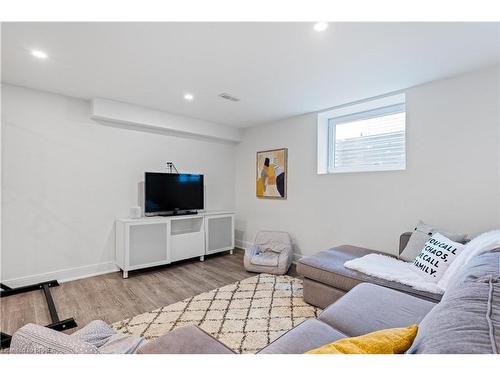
pixel 172 193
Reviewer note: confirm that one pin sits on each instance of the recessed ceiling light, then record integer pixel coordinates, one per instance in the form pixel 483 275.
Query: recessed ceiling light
pixel 189 97
pixel 320 26
pixel 39 54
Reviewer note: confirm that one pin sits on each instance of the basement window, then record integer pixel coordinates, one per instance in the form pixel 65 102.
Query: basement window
pixel 364 137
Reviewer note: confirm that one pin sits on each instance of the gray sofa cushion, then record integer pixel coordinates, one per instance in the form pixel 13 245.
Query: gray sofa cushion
pixel 319 294
pixel 308 335
pixel 466 321
pixel 478 267
pixel 327 267
pixel 421 234
pixel 367 308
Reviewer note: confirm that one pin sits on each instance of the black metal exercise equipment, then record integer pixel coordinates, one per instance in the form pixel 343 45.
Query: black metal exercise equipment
pixel 58 325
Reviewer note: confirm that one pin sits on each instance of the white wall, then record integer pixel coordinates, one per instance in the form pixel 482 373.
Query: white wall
pixel 452 176
pixel 66 178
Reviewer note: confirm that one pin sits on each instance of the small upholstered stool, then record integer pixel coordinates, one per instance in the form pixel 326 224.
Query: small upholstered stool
pixel 271 253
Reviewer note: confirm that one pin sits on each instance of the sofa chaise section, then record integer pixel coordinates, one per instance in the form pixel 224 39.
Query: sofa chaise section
pixel 326 279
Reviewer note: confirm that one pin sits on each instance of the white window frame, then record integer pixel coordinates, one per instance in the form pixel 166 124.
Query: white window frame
pixel 326 140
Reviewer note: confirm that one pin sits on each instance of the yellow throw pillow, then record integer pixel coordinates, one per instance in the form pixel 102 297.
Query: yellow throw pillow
pixel 386 341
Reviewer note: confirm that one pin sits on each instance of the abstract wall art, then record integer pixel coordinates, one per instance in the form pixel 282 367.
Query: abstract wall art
pixel 272 174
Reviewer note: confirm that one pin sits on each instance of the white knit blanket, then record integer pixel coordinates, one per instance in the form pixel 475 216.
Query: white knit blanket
pixel 392 269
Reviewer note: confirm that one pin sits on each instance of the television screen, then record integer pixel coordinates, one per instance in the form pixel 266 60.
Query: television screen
pixel 167 193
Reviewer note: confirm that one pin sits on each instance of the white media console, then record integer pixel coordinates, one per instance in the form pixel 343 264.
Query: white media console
pixel 153 241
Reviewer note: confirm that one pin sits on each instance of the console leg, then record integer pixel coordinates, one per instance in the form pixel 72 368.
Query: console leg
pixel 231 251
pixel 202 258
pixel 125 274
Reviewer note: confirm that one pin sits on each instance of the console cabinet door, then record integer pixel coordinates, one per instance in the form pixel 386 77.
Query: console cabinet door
pixel 219 233
pixel 147 245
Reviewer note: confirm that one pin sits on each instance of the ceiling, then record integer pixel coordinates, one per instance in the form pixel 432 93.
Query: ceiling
pixel 278 70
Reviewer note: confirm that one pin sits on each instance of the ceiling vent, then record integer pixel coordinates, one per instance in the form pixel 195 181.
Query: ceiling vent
pixel 227 96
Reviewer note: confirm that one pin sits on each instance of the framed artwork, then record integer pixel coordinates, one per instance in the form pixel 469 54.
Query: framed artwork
pixel 272 174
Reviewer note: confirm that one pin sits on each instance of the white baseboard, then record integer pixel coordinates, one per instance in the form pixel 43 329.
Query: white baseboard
pixel 83 272
pixel 64 275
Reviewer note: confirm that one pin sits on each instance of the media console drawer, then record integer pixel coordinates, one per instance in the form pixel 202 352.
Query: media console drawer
pixel 188 245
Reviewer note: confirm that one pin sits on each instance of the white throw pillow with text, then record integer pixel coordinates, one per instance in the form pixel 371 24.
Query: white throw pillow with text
pixel 436 256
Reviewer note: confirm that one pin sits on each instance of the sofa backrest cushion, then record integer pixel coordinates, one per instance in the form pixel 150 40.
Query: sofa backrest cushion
pixel 477 268
pixel 403 241
pixel 467 320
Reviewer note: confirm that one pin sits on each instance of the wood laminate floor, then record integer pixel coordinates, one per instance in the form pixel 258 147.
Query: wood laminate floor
pixel 111 298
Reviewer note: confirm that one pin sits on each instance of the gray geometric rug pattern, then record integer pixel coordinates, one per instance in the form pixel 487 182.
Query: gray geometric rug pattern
pixel 246 315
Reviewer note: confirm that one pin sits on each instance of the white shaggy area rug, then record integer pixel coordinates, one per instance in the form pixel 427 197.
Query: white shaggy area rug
pixel 246 316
